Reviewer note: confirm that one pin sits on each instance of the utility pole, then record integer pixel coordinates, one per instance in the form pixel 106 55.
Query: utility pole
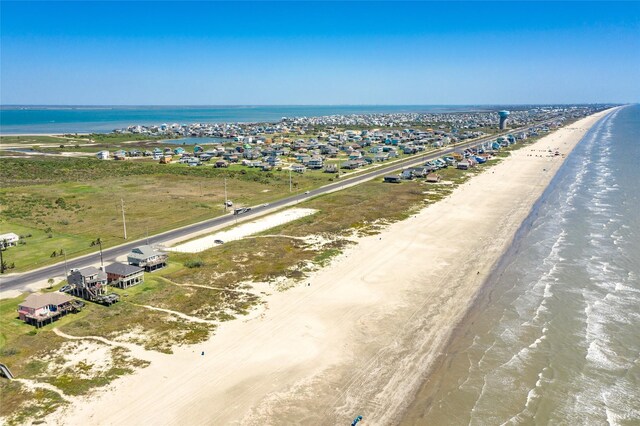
pixel 225 194
pixel 100 244
pixel 124 222
pixel 2 245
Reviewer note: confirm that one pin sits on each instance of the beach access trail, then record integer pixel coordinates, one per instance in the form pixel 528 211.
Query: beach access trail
pixel 357 337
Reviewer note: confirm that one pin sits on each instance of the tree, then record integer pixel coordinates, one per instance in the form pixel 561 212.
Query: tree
pixel 3 264
pixel 50 282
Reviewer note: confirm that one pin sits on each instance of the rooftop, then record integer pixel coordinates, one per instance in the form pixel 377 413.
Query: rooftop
pixel 38 300
pixel 122 269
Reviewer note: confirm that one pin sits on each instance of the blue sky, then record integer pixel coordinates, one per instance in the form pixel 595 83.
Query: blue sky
pixel 200 53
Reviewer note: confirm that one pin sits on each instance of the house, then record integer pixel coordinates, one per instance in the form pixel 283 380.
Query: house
pixel 122 275
pixel 103 155
pixel 298 168
pixel 382 156
pixel 421 171
pixel 353 164
pixel 273 161
pixel 193 161
pixel 407 174
pixel 90 283
pixel 433 178
pixel 331 168
pixel 463 165
pixel 392 179
pixel 9 239
pixel 42 309
pixel 148 258
pixel 315 163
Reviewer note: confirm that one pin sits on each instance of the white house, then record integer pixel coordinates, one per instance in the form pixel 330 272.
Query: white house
pixel 9 239
pixel 103 155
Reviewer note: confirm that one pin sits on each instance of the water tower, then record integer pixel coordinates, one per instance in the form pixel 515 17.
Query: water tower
pixel 503 118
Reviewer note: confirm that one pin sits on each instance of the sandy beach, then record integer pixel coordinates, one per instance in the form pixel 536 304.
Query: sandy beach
pixel 356 338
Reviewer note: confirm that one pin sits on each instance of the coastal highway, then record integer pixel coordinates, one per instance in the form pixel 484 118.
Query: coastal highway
pixel 21 281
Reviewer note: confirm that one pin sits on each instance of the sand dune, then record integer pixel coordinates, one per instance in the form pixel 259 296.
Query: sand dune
pixel 361 337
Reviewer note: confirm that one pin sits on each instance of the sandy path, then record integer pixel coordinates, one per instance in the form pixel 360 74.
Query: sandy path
pixel 361 337
pixel 241 231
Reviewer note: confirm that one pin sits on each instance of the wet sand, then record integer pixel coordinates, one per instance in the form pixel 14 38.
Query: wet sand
pixel 362 337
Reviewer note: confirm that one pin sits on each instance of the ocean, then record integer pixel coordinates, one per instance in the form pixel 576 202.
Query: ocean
pixel 554 337
pixel 103 119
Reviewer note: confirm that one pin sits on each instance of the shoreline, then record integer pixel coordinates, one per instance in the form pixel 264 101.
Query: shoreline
pixel 345 342
pixel 422 400
pixel 481 299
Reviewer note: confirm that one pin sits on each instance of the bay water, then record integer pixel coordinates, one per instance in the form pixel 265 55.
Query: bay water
pixel 102 119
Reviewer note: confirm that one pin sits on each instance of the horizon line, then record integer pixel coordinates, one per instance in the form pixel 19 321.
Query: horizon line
pixel 308 105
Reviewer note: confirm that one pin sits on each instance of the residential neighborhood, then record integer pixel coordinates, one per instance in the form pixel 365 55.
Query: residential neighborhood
pixel 332 143
pixel 91 284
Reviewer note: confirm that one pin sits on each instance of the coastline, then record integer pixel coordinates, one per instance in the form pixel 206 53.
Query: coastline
pixel 412 415
pixel 346 344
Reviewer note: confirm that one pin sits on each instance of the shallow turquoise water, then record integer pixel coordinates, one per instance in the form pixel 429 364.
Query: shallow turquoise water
pixel 83 119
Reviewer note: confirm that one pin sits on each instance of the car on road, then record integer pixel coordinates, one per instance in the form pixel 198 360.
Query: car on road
pixel 218 241
pixel 241 210
pixel 306 192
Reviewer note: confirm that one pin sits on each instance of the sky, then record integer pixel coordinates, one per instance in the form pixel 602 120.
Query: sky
pixel 317 53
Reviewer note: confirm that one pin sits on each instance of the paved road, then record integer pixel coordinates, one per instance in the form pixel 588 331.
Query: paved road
pixel 20 281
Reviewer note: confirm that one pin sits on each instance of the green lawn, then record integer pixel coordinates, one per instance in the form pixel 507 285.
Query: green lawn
pixel 38 248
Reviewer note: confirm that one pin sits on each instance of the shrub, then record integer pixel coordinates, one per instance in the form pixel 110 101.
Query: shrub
pixel 194 263
pixel 8 351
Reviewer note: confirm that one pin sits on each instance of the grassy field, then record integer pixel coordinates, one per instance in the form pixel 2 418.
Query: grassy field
pixel 68 203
